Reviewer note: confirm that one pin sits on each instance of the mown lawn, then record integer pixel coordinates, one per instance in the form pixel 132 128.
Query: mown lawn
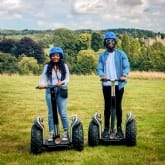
pixel 20 103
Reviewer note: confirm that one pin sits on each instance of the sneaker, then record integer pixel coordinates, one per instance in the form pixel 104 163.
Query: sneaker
pixel 105 134
pixel 119 133
pixel 65 136
pixel 51 136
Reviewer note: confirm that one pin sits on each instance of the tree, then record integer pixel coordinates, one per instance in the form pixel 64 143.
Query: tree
pixel 158 61
pixel 132 47
pixel 96 41
pixel 83 42
pixel 86 62
pixel 134 52
pixel 158 56
pixel 119 44
pixel 8 64
pixel 126 44
pixel 7 45
pixel 157 46
pixel 29 48
pixel 66 39
pixel 28 65
pixel 144 61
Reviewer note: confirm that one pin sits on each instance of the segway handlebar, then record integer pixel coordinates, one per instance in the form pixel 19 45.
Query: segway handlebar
pixel 47 87
pixel 112 80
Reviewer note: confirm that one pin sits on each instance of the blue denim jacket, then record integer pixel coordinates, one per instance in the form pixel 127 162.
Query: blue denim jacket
pixel 121 62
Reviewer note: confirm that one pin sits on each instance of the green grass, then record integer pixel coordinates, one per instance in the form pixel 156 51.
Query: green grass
pixel 20 103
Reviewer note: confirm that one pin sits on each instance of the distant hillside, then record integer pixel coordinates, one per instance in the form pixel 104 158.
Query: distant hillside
pixel 22 32
pixel 137 33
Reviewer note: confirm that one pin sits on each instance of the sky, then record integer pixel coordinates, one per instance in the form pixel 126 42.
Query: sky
pixel 82 14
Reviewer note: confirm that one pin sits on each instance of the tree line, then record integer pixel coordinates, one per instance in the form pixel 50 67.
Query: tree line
pixel 81 49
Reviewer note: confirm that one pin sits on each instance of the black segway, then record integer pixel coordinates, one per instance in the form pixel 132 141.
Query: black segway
pixel 40 144
pixel 95 127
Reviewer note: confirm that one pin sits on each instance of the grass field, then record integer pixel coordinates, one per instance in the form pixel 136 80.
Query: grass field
pixel 20 103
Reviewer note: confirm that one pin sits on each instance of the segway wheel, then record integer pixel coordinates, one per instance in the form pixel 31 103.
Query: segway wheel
pixel 36 140
pixel 93 134
pixel 131 133
pixel 78 137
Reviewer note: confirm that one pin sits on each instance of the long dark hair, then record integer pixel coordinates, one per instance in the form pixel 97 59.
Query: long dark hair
pixel 60 65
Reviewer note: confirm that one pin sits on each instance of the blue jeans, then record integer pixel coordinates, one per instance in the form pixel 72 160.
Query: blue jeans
pixel 62 109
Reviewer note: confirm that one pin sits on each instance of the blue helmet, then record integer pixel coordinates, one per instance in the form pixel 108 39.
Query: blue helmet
pixel 56 50
pixel 109 35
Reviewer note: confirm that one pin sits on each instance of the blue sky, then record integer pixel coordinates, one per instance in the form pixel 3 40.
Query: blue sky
pixel 82 14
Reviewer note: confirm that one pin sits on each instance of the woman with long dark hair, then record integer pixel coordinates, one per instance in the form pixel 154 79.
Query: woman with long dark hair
pixel 56 72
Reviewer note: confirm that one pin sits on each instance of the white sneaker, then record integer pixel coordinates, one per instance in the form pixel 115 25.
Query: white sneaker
pixel 51 136
pixel 65 136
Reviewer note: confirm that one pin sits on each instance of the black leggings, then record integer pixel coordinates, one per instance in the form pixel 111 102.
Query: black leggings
pixel 107 105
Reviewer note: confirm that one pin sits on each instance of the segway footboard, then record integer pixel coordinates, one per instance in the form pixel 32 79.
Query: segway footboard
pixel 77 134
pixel 114 141
pixel 52 146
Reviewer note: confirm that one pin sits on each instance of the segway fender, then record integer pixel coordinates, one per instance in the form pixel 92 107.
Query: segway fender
pixel 130 117
pixel 38 121
pixel 130 130
pixel 96 119
pixel 76 133
pixel 37 136
pixel 75 121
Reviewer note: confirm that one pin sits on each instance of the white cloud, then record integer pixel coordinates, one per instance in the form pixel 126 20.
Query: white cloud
pixel 17 16
pixel 41 15
pixel 131 3
pixel 88 6
pixel 157 13
pixel 79 14
pixel 10 5
pixel 156 2
pixel 11 9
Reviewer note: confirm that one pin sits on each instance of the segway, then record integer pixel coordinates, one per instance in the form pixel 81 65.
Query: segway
pixel 95 127
pixel 40 144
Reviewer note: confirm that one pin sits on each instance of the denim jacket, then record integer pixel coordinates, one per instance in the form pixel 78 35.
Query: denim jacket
pixel 121 62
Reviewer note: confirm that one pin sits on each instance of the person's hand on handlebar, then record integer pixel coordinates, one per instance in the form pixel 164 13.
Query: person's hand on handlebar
pixel 60 83
pixel 41 86
pixel 123 78
pixel 103 78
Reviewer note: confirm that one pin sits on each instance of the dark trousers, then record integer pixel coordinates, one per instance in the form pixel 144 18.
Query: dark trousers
pixel 107 105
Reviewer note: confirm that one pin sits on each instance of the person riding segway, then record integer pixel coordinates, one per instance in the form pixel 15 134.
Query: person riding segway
pixel 55 77
pixel 113 65
pixel 56 73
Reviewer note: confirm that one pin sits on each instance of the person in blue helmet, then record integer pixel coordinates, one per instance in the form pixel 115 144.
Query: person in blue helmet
pixel 112 64
pixel 56 72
